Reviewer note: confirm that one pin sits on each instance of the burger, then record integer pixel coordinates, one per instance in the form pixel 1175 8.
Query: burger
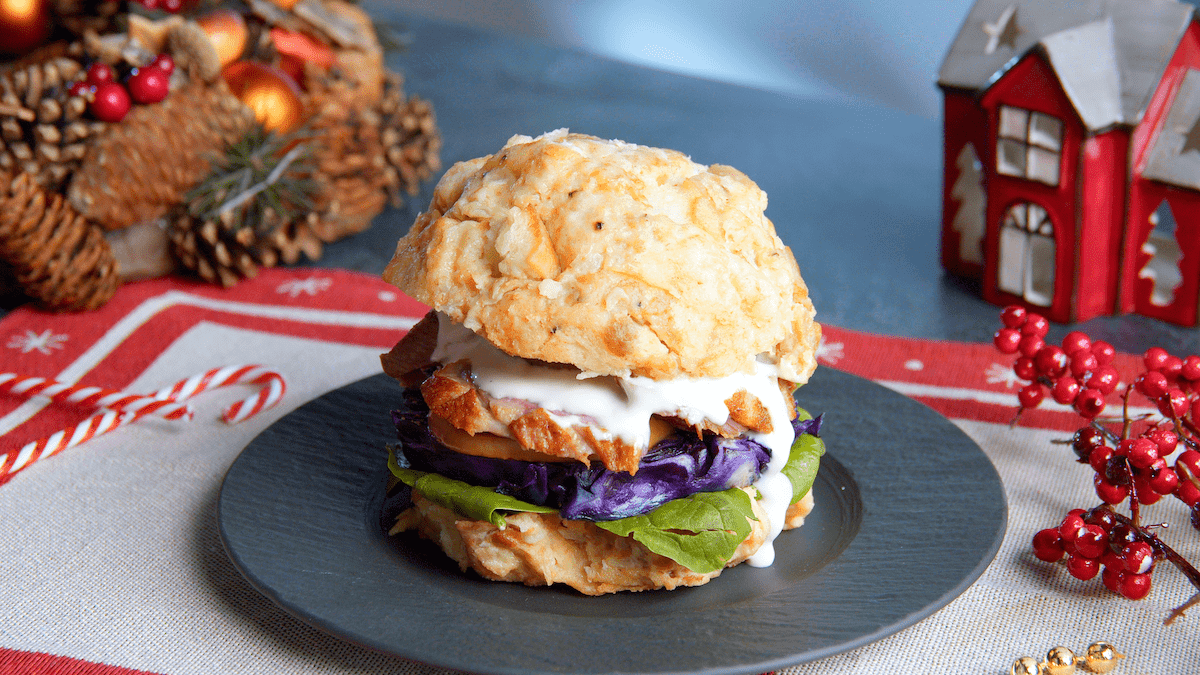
pixel 601 393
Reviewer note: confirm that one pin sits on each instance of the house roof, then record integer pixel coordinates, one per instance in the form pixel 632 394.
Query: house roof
pixel 1174 157
pixel 1109 55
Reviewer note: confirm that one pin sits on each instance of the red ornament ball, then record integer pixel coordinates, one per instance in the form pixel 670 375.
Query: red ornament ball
pixel 164 62
pixel 149 85
pixel 111 102
pixel 99 72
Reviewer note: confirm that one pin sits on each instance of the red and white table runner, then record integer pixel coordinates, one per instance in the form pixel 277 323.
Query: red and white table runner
pixel 112 562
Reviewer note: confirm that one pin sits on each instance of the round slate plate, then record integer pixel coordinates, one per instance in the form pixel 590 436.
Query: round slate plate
pixel 909 513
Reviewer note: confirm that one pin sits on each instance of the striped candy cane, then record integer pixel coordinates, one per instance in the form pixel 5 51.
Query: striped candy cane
pixel 20 458
pixel 93 397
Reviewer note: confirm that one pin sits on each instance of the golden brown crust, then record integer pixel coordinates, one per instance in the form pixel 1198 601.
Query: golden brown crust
pixel 539 549
pixel 616 258
pixel 413 352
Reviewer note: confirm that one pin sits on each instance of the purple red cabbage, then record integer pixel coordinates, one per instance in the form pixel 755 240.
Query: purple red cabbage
pixel 678 466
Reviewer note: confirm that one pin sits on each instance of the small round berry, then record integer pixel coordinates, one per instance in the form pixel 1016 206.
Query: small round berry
pixel 1138 557
pixel 1167 441
pixel 1152 384
pixel 1076 341
pixel 1112 577
pixel 1145 493
pixel 1047 545
pixel 99 72
pixel 1135 586
pixel 1072 526
pixel 1083 568
pixel 1142 452
pixel 1195 410
pixel 1190 370
pixel 1105 353
pixel 79 88
pixel 1112 560
pixel 1089 403
pixel 1155 357
pixel 1031 395
pixel 1104 380
pixel 1023 368
pixel 1085 440
pixel 1171 367
pixel 1175 403
pixel 1083 362
pixel 1108 492
pixel 1091 542
pixel 1065 390
pixel 1051 361
pixel 150 4
pixel 164 62
pixel 1103 518
pixel 1117 471
pixel 1030 345
pixel 1007 340
pixel 1100 457
pixel 172 6
pixel 111 102
pixel 1188 493
pixel 1189 460
pixel 149 85
pixel 1165 481
pixel 1120 536
pixel 1013 316
pixel 1035 324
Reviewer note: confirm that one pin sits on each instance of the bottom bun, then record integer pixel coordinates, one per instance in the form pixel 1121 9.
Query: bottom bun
pixel 540 549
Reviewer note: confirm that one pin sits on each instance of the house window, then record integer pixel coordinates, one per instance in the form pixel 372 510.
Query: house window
pixel 1029 145
pixel 1026 265
pixel 1163 248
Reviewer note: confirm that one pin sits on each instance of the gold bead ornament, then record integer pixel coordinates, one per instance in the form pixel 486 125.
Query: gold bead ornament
pixel 1101 657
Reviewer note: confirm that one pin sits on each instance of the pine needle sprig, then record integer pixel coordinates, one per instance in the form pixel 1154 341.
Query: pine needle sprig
pixel 259 183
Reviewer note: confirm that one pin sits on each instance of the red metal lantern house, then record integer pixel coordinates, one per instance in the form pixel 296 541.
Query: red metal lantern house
pixel 1072 156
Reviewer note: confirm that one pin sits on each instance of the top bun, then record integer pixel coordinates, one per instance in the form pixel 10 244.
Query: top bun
pixel 617 258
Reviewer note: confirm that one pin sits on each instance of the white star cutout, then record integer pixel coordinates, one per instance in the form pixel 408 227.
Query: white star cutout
pixel 1002 32
pixel 998 374
pixel 42 342
pixel 311 286
pixel 830 352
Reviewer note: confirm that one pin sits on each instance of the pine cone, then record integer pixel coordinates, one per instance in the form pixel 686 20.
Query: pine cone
pixel 42 129
pixel 411 142
pixel 143 166
pixel 56 256
pixel 349 161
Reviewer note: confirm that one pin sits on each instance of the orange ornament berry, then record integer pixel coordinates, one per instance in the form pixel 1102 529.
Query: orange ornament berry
pixel 228 33
pixel 269 92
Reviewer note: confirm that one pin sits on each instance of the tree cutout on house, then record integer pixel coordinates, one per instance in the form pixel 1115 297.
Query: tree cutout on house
pixel 1026 264
pixel 1163 249
pixel 969 218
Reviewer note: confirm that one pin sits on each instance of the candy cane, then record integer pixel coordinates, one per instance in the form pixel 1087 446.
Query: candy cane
pixel 93 397
pixel 18 459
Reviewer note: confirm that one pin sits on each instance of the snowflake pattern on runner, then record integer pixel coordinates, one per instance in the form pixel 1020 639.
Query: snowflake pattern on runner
pixel 998 374
pixel 830 352
pixel 43 342
pixel 311 286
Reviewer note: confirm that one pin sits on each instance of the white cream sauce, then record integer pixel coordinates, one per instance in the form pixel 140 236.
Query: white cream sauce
pixel 622 406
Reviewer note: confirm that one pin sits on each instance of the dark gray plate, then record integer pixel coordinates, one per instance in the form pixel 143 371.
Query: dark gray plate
pixel 909 513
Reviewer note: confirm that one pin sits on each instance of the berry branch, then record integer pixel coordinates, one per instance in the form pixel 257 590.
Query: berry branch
pixel 1150 457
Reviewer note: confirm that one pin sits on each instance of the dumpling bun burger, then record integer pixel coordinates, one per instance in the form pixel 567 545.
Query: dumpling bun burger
pixel 601 395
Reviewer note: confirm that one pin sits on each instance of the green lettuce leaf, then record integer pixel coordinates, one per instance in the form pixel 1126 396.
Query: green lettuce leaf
pixel 700 532
pixel 470 501
pixel 803 460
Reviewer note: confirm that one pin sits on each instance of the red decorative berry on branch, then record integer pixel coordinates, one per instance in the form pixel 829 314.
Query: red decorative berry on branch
pixel 148 85
pixel 111 102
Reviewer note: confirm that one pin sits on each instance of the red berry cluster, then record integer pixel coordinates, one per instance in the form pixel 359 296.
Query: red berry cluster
pixel 1079 373
pixel 168 6
pixel 1095 540
pixel 1148 458
pixel 110 100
